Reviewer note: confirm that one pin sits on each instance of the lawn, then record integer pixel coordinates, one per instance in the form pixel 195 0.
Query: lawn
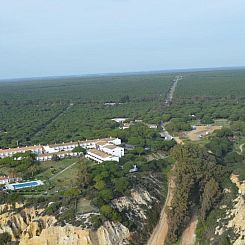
pixel 50 168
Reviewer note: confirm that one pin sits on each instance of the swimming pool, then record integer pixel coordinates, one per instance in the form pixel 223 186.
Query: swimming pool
pixel 16 186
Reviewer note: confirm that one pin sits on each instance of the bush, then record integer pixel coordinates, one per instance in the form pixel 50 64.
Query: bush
pixel 5 238
pixel 96 221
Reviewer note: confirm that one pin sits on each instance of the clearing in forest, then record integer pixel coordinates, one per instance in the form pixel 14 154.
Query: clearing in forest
pixel 201 131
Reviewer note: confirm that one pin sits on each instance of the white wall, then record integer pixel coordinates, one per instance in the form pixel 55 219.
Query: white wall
pixel 118 151
pixel 116 141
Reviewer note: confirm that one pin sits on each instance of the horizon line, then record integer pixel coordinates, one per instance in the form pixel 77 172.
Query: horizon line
pixel 53 77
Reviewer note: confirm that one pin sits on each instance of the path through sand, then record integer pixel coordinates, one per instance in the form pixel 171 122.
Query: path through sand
pixel 161 230
pixel 188 236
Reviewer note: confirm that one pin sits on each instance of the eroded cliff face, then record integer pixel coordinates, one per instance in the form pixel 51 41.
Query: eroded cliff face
pixel 108 234
pixel 143 206
pixel 235 216
pixel 28 222
pixel 7 207
pixel 29 227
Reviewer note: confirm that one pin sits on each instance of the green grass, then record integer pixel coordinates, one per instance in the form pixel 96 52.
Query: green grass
pixel 67 179
pixel 50 168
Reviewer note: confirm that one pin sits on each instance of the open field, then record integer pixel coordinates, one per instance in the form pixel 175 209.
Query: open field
pixel 62 174
pixel 201 131
pixel 50 168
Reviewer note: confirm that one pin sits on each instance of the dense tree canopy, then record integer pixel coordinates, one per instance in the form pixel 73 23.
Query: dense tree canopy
pixel 195 173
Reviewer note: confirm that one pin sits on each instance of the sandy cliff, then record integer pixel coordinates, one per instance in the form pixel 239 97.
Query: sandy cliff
pixel 236 215
pixel 31 228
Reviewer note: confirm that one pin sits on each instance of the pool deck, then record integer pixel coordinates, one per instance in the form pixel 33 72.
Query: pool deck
pixel 28 184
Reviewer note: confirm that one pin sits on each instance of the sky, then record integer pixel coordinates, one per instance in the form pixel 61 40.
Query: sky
pixel 75 37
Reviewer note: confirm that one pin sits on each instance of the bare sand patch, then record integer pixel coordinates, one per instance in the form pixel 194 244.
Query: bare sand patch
pixel 199 132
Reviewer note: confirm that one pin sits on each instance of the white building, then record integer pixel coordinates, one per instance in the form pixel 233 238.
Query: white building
pixel 125 125
pixel 100 156
pixel 60 147
pixel 134 169
pixel 113 150
pixel 87 144
pixel 12 151
pixel 115 141
pixel 108 147
pixel 106 150
pixel 152 126
pixel 119 119
pixel 7 179
pixel 4 180
pixel 61 155
pixel 44 157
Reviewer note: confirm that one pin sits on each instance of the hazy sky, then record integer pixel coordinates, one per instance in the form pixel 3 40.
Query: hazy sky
pixel 71 37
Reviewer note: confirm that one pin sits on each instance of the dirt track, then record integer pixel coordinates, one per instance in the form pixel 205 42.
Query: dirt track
pixel 161 230
pixel 188 236
pixel 241 147
pixel 178 140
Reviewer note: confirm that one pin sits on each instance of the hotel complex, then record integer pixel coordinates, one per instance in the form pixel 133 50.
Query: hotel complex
pixel 99 150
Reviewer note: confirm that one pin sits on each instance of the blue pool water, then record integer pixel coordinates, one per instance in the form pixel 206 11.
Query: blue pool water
pixel 24 185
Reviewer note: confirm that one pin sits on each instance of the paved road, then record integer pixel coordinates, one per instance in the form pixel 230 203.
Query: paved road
pixel 172 89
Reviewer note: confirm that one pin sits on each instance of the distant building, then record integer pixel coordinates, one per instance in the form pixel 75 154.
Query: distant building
pixel 138 121
pixel 119 119
pixel 125 126
pixel 134 169
pixel 152 126
pixel 110 103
